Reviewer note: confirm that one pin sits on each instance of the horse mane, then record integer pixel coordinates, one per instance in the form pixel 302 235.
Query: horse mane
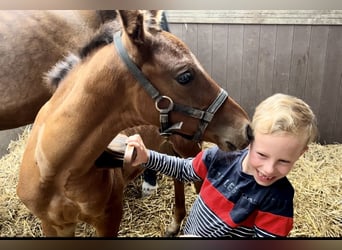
pixel 103 37
pixel 58 72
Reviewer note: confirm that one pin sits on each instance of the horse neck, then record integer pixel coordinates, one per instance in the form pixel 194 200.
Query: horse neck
pixel 96 101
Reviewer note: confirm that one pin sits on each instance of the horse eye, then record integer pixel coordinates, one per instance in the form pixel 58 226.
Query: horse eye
pixel 185 77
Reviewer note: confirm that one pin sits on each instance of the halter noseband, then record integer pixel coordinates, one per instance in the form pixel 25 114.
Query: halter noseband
pixel 205 116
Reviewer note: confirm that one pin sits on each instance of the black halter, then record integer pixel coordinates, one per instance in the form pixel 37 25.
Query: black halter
pixel 166 129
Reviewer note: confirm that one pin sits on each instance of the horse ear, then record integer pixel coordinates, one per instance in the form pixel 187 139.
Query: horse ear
pixel 153 20
pixel 133 24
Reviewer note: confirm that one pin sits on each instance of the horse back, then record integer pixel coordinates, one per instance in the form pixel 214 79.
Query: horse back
pixel 32 41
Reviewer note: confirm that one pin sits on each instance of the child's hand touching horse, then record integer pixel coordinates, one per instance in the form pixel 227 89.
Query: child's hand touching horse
pixel 142 153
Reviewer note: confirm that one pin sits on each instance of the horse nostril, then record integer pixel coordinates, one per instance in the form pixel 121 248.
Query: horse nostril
pixel 249 132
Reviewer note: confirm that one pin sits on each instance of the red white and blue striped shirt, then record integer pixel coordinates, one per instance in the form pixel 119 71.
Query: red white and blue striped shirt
pixel 230 203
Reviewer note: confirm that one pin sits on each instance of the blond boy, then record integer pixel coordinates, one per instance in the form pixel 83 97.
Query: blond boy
pixel 244 193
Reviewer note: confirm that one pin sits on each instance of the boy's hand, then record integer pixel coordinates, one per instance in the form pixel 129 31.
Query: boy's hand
pixel 141 150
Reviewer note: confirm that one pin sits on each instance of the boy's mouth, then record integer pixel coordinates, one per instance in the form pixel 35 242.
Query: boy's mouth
pixel 263 177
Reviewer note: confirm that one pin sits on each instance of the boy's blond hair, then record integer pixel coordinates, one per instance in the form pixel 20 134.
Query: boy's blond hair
pixel 282 113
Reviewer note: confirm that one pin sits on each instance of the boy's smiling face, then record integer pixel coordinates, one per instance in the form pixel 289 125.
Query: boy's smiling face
pixel 271 157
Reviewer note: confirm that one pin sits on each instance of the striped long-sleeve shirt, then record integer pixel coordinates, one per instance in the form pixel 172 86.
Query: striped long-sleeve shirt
pixel 230 203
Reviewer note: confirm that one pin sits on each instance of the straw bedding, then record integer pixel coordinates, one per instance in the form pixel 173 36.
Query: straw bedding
pixel 317 179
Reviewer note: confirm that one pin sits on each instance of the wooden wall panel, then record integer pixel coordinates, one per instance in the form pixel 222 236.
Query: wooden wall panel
pixel 316 64
pixel 250 67
pixel 299 60
pixel 266 59
pixel 219 53
pixel 330 93
pixel 281 73
pixel 205 46
pixel 234 61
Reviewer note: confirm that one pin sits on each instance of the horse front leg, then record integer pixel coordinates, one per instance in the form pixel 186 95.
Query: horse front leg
pixel 108 224
pixel 179 210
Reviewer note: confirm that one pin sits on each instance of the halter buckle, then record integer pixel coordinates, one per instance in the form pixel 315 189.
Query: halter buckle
pixel 160 102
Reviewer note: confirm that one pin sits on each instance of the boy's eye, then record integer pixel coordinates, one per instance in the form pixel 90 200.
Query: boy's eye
pixel 261 155
pixel 285 161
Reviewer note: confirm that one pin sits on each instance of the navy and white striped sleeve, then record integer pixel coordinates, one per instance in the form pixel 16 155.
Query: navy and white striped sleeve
pixel 173 166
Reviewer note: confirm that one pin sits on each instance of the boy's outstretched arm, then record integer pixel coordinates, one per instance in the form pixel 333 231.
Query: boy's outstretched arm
pixel 177 167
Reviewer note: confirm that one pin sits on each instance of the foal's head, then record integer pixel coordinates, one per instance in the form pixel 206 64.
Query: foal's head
pixel 175 72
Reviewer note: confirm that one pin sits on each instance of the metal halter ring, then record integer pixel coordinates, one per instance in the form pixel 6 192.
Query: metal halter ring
pixel 164 110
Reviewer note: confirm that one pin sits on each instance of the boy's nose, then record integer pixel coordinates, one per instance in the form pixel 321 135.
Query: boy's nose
pixel 268 168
